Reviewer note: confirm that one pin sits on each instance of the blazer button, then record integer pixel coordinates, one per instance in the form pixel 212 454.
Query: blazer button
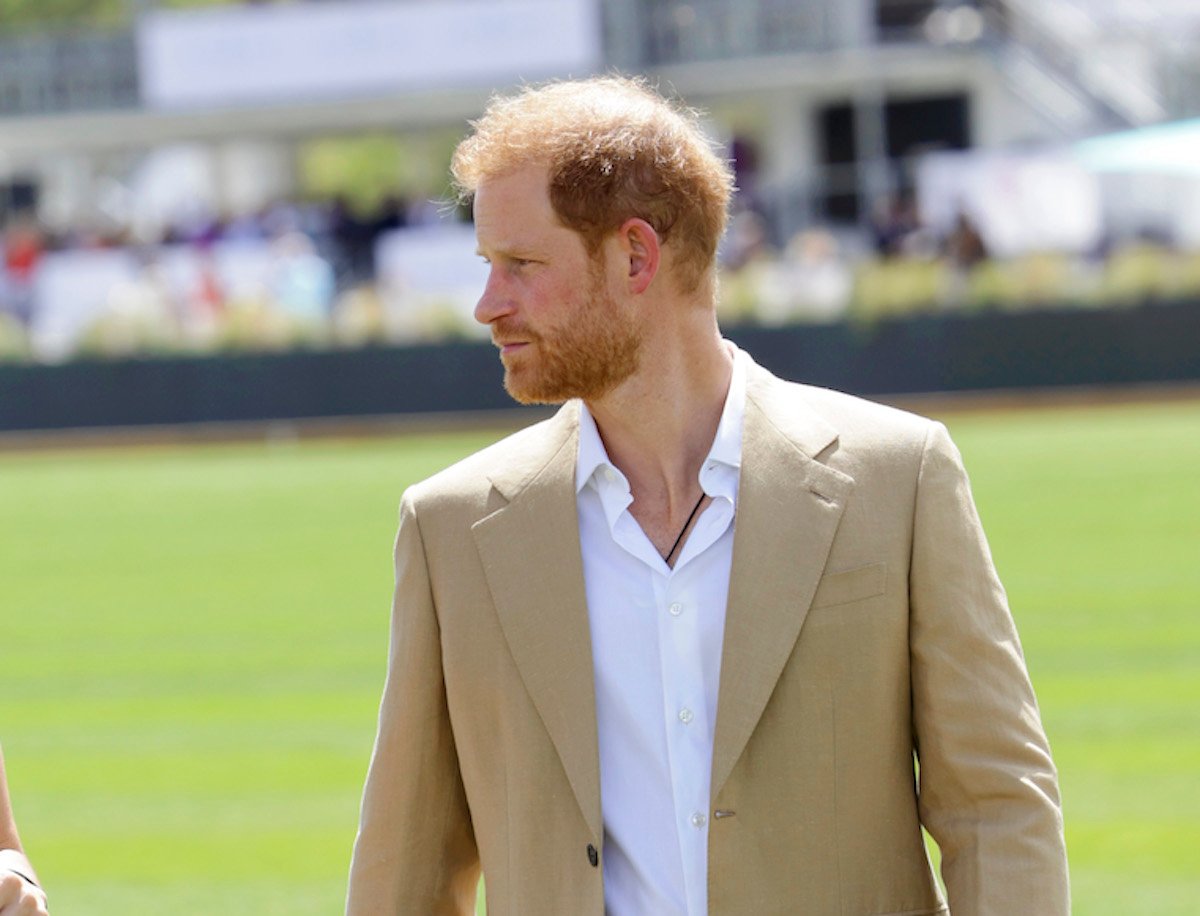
pixel 593 856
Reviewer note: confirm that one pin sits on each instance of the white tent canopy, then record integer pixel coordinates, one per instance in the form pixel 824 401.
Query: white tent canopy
pixel 1171 149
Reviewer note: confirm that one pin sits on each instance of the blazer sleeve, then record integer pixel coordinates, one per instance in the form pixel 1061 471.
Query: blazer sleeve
pixel 415 851
pixel 988 790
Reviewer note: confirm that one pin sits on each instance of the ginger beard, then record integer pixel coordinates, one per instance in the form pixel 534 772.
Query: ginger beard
pixel 589 355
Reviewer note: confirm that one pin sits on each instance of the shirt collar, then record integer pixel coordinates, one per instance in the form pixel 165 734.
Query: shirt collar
pixel 725 454
pixel 593 457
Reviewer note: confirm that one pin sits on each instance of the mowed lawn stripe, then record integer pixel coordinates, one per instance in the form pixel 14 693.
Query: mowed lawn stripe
pixel 195 641
pixel 1094 519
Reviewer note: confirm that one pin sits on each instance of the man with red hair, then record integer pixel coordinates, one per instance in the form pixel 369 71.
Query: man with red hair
pixel 679 648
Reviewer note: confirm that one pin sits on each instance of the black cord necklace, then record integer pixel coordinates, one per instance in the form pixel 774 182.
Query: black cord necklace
pixel 682 531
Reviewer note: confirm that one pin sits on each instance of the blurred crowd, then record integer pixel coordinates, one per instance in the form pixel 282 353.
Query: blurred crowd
pixel 321 274
pixel 905 267
pixel 296 273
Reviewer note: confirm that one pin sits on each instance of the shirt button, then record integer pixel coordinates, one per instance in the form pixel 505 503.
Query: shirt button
pixel 699 820
pixel 676 609
pixel 610 475
pixel 686 716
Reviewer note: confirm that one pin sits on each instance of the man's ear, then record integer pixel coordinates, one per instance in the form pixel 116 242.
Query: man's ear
pixel 641 250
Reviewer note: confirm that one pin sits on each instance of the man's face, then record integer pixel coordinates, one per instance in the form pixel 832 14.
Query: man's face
pixel 562 333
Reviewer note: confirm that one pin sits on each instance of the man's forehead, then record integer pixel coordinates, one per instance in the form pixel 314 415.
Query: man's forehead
pixel 517 236
pixel 515 205
pixel 528 174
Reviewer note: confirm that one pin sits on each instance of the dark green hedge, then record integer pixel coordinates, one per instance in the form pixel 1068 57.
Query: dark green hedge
pixel 990 351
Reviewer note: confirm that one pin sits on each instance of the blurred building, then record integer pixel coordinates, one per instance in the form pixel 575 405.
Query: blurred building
pixel 824 104
pixel 168 146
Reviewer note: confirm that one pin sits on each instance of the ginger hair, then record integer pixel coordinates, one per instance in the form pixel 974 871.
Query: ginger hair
pixel 615 149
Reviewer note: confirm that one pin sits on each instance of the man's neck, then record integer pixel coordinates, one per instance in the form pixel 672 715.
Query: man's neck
pixel 659 426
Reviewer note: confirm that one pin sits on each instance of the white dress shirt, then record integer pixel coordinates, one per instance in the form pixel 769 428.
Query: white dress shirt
pixel 656 650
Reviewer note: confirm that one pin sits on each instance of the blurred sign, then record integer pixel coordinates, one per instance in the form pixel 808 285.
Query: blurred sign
pixel 358 48
pixel 433 265
pixel 71 291
pixel 1074 198
pixel 1020 201
pixel 150 291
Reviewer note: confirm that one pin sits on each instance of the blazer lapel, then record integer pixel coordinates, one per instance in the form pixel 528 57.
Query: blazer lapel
pixel 789 506
pixel 531 557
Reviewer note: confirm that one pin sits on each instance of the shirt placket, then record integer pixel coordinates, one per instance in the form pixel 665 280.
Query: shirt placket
pixel 686 721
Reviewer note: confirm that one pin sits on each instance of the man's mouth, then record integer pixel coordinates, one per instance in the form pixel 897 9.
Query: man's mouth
pixel 510 346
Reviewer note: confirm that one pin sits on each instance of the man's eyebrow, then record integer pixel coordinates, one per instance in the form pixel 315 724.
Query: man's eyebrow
pixel 506 251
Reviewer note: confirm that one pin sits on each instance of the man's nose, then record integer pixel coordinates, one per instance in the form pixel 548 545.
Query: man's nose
pixel 495 301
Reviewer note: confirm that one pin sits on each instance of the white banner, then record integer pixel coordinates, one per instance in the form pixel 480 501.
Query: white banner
pixel 360 48
pixel 1020 201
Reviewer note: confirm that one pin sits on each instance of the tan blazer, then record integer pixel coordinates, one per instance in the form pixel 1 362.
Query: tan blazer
pixel 865 624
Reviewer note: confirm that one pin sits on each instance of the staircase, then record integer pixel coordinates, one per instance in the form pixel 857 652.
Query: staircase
pixel 1093 66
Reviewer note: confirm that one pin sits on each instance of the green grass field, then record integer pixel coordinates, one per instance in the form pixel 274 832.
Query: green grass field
pixel 194 641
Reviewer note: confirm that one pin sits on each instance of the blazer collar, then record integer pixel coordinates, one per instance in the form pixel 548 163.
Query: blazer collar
pixel 789 507
pixel 531 558
pixel 542 446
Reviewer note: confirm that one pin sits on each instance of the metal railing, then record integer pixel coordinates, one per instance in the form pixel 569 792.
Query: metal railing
pixel 81 65
pixel 85 65
pixel 642 34
pixel 65 72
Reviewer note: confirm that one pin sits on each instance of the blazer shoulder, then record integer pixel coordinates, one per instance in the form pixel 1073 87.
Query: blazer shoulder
pixel 851 413
pixel 856 422
pixel 510 462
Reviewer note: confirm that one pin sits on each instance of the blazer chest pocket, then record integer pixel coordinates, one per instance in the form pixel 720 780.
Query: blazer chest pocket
pixel 850 585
